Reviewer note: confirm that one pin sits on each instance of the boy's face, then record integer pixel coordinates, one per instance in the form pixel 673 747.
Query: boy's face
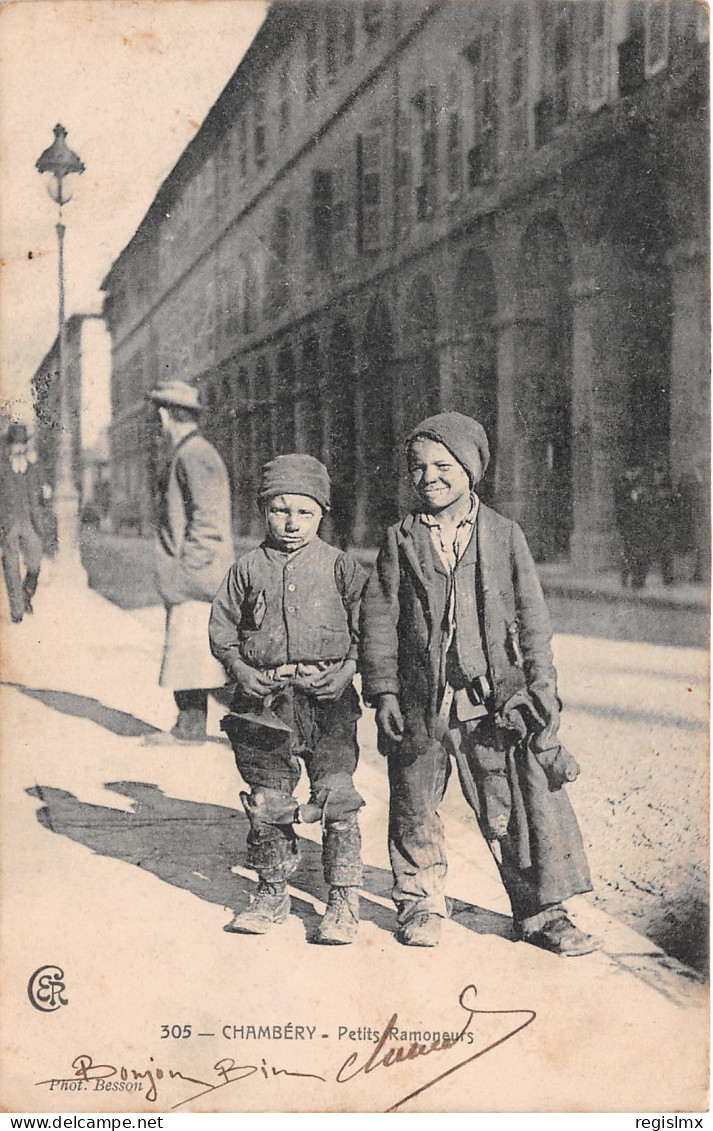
pixel 292 521
pixel 436 476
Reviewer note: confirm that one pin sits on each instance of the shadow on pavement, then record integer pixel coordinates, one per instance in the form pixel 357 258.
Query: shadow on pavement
pixel 83 707
pixel 194 845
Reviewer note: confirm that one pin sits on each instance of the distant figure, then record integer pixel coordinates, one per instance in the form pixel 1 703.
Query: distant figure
pixel 662 521
pixel 632 507
pixel 285 625
pixel 21 526
pixel 693 522
pixel 194 551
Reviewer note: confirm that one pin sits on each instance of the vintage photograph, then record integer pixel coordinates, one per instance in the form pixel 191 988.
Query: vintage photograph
pixel 355 532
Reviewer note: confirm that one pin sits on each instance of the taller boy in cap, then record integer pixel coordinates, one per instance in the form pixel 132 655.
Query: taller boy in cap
pixel 284 625
pixel 194 548
pixel 456 658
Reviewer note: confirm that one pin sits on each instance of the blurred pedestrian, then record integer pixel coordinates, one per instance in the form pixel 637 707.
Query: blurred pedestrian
pixel 194 551
pixel 693 521
pixel 632 509
pixel 21 526
pixel 662 521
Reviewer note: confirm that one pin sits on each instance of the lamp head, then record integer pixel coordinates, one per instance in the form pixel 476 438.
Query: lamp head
pixel 59 160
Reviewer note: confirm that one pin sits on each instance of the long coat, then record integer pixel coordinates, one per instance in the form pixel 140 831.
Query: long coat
pixel 20 500
pixel 194 551
pixel 194 548
pixel 498 594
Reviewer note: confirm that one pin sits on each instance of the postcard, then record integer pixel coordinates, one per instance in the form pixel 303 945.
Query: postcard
pixel 355 345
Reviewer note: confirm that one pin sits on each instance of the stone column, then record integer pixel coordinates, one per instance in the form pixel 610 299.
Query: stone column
pixel 600 402
pixel 508 483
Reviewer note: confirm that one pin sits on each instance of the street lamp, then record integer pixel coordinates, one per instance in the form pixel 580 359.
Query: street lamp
pixel 60 162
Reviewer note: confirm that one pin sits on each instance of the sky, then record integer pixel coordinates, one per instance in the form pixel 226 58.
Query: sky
pixel 131 81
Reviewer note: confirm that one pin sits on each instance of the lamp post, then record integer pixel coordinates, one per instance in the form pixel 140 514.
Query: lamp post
pixel 59 161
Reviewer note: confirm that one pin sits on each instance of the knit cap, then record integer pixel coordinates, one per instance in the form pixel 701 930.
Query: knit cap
pixel 296 474
pixel 463 436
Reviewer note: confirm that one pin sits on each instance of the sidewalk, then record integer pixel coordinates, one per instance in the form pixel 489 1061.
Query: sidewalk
pixel 122 863
pixel 559 578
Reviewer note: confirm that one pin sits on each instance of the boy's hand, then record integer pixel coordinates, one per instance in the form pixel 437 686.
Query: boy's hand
pixel 389 718
pixel 253 682
pixel 333 683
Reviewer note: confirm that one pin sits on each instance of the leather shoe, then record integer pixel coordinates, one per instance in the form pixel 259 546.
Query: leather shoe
pixel 423 929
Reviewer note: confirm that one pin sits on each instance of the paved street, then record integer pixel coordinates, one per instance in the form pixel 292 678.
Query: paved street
pixel 122 862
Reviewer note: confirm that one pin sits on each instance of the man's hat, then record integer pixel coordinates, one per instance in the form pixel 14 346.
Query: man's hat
pixel 177 393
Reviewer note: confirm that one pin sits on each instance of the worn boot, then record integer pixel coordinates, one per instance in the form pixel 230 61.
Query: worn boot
pixel 269 907
pixel 341 919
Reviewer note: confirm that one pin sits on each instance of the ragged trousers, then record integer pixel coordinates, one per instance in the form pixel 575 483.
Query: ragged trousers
pixel 532 832
pixel 324 738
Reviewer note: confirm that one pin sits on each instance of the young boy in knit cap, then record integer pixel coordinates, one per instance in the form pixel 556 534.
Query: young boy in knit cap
pixel 456 657
pixel 284 624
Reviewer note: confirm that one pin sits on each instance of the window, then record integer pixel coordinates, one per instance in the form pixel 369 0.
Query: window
pixel 278 273
pixel 329 217
pixel 312 63
pixel 598 54
pixel 404 175
pixel 562 62
pixel 348 34
pixel 248 295
pixel 425 110
pixel 284 97
pixel 242 145
pixel 454 138
pixel 259 130
pixel 656 22
pixel 482 157
pixel 331 47
pixel 702 23
pixel 554 106
pixel 373 16
pixel 370 178
pixel 517 80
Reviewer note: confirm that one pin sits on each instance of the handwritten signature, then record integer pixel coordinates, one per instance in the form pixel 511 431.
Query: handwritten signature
pixel 386 1054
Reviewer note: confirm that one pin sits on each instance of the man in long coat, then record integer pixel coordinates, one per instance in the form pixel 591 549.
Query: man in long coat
pixel 21 522
pixel 194 550
pixel 455 656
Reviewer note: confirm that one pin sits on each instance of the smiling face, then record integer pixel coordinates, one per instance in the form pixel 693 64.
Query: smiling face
pixel 437 477
pixel 292 521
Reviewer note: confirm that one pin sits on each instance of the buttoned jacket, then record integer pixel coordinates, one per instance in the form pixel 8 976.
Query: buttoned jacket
pixel 278 608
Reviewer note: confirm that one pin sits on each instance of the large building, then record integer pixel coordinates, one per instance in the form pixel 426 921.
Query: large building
pixel 497 206
pixel 45 387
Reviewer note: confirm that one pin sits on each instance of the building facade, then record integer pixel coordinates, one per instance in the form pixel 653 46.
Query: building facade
pixel 496 206
pixel 45 387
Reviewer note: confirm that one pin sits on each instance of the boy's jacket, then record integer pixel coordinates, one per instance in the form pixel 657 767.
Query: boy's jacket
pixel 275 608
pixel 404 603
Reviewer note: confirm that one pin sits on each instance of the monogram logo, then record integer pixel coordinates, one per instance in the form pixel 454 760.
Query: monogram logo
pixel 46 988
